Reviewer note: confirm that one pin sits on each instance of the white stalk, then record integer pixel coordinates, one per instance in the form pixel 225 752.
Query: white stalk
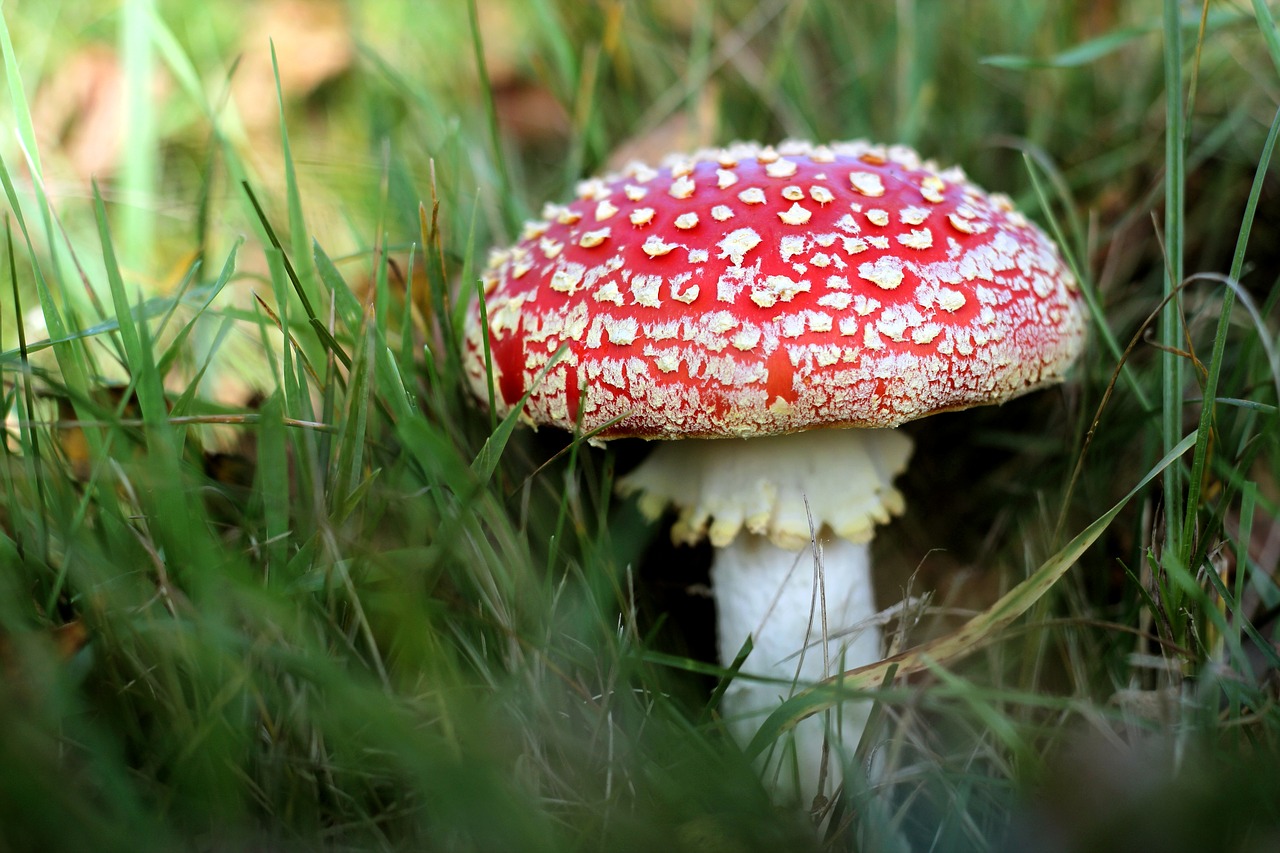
pixel 787 602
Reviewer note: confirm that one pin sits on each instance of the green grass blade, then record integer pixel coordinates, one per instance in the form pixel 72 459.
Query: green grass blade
pixel 1170 327
pixel 317 325
pixel 487 459
pixel 1265 646
pixel 70 359
pixel 272 484
pixel 347 306
pixel 178 345
pixel 408 331
pixel 182 405
pixel 726 677
pixel 297 222
pixel 142 368
pixel 1270 33
pixel 291 383
pixel 1081 54
pixel 459 308
pixel 349 463
pixel 488 357
pixel 1092 302
pixel 28 435
pixel 21 107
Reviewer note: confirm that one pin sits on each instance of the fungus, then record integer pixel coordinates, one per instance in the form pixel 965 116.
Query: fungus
pixel 797 304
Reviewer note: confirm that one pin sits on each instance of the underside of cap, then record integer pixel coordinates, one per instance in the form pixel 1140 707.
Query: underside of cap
pixel 772 486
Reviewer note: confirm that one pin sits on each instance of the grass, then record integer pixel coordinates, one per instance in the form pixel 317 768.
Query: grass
pixel 272 579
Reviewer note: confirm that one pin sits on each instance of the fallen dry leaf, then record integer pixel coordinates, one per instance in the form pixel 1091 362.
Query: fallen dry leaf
pixel 312 41
pixel 79 112
pixel 530 113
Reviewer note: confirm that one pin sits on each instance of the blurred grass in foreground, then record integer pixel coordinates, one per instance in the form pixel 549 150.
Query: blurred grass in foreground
pixel 270 579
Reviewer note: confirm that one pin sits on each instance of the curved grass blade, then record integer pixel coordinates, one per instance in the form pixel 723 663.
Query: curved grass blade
pixel 1267 24
pixel 1084 53
pixel 487 459
pixel 317 326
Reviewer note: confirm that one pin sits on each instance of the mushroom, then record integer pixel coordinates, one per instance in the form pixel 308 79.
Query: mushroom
pixel 760 293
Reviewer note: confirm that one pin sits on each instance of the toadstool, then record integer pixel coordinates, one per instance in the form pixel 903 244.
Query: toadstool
pixel 754 294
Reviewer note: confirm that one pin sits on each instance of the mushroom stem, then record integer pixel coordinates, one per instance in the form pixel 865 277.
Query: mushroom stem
pixel 760 502
pixel 788 602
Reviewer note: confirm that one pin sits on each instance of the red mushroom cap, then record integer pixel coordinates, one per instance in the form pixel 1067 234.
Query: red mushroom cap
pixel 758 291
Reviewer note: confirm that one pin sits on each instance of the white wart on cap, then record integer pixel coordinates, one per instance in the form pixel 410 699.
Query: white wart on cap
pixel 760 291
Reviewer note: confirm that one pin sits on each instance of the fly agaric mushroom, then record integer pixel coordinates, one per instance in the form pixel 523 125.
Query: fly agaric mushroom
pixel 759 293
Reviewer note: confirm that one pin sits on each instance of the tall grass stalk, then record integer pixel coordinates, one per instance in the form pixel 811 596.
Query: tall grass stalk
pixel 1172 338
